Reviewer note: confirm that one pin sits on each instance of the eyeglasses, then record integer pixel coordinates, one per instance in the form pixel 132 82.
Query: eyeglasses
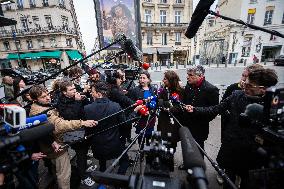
pixel 248 85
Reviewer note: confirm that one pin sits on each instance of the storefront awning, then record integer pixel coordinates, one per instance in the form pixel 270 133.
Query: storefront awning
pixel 50 54
pixel 165 50
pixel 35 55
pixel 74 54
pixel 149 50
pixel 13 56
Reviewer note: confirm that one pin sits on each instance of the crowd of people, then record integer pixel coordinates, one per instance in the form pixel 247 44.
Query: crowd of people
pixel 77 110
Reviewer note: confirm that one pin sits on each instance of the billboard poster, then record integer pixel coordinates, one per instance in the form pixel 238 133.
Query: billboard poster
pixel 115 16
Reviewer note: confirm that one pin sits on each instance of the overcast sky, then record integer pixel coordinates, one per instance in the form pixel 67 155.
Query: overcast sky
pixel 87 20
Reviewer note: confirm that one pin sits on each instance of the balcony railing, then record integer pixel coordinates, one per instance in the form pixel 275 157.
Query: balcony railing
pixel 163 25
pixel 37 31
pixel 178 4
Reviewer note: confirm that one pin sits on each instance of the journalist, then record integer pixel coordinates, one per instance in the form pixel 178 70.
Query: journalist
pixel 237 153
pixel 70 106
pixel 106 145
pixel 59 158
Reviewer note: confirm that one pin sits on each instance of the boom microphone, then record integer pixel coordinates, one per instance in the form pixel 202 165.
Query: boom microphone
pixel 199 14
pixel 36 132
pixel 129 47
pixel 190 152
pixel 27 135
pixel 192 158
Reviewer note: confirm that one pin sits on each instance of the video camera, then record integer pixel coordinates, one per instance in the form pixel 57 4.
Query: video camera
pixel 267 121
pixel 157 173
pixel 16 133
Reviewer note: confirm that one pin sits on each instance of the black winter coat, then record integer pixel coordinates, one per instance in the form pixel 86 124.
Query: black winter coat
pixel 204 96
pixel 164 122
pixel 69 108
pixel 107 145
pixel 116 95
pixel 138 92
pixel 237 149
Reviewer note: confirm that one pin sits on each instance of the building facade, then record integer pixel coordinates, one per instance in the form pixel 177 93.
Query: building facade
pixel 46 35
pixel 268 14
pixel 238 43
pixel 163 24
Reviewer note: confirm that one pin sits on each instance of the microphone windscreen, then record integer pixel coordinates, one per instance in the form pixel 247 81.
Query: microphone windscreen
pixel 37 132
pixel 198 16
pixel 190 152
pixel 36 120
pixel 132 50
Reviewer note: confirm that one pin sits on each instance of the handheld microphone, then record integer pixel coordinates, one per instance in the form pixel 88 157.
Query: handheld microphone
pixel 27 135
pixel 199 14
pixel 129 47
pixel 192 158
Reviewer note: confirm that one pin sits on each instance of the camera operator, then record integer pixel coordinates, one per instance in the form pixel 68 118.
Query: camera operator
pixel 199 92
pixel 59 158
pixel 71 107
pixel 237 154
pixel 171 85
pixel 229 90
pixel 143 91
pixel 107 145
pixel 94 76
pixel 125 82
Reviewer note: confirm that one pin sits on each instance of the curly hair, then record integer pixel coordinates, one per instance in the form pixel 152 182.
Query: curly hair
pixel 126 11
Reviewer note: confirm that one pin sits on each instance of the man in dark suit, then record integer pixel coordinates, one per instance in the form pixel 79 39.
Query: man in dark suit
pixel 107 145
pixel 199 92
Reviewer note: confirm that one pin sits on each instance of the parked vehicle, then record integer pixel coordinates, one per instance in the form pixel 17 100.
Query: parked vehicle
pixel 279 60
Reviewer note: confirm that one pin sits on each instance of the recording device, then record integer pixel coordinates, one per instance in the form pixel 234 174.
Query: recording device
pixel 266 125
pixel 14 116
pixel 192 158
pixel 30 122
pixel 157 174
pixel 19 131
pixel 198 16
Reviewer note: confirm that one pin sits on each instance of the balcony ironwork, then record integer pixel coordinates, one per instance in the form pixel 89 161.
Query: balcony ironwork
pixel 178 5
pixel 37 31
pixel 62 6
pixel 148 3
pixel 145 25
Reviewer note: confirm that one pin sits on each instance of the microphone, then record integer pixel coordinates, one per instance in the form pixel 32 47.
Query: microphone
pixel 192 158
pixel 129 47
pixel 199 14
pixel 36 132
pixel 30 122
pixel 253 112
pixel 27 135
